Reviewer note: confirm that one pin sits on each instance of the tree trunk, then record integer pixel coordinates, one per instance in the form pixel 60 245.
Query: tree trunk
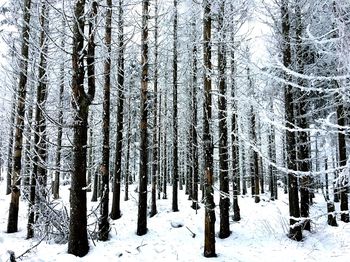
pixel 40 154
pixel 128 178
pixel 175 120
pixel 12 225
pixel 78 242
pixel 115 213
pixel 56 185
pixel 222 117
pixel 165 152
pixel 103 225
pixel 155 118
pixel 143 175
pixel 255 159
pixel 303 137
pixel 343 183
pixel 209 230
pixel 10 143
pixel 295 232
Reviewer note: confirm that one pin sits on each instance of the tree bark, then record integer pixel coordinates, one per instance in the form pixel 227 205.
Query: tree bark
pixel 12 225
pixel 78 241
pixel 103 225
pixel 155 118
pixel 175 120
pixel 209 229
pixel 194 118
pixel 295 232
pixel 56 185
pixel 223 137
pixel 40 154
pixel 116 213
pixel 143 175
pixel 303 137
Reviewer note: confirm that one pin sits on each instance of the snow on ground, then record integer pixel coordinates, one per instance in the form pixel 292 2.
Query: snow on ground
pixel 259 236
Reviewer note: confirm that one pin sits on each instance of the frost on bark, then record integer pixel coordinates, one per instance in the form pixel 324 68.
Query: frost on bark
pixel 175 120
pixel 223 136
pixel 12 225
pixel 209 229
pixel 115 212
pixel 38 178
pixel 295 231
pixel 103 225
pixel 78 241
pixel 155 161
pixel 143 175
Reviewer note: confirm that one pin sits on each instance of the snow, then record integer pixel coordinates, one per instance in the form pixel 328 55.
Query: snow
pixel 259 236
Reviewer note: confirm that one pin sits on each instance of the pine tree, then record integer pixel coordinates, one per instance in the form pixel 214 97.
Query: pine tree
pixel 78 241
pixel 103 225
pixel 143 175
pixel 155 118
pixel 294 210
pixel 223 137
pixel 12 224
pixel 175 120
pixel 209 229
pixel 115 213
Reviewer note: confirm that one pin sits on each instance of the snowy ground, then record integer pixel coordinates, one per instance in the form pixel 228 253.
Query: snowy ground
pixel 259 236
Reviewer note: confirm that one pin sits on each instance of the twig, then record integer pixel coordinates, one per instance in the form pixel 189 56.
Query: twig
pixel 32 247
pixel 193 234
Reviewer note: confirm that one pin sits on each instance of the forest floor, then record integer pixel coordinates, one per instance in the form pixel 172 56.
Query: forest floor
pixel 261 235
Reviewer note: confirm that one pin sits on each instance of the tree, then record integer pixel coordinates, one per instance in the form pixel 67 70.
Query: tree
pixel 56 184
pixel 12 224
pixel 40 153
pixel 103 226
pixel 175 120
pixel 223 137
pixel 78 242
pixel 234 127
pixel 209 229
pixel 193 128
pixel 294 210
pixel 303 138
pixel 143 175
pixel 155 109
pixel 115 213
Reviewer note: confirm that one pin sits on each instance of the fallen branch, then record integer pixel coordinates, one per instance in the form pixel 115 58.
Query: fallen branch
pixel 193 234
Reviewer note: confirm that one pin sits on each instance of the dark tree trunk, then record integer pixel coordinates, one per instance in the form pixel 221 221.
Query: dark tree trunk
pixel 294 210
pixel 222 117
pixel 209 229
pixel 343 183
pixel 193 128
pixel 28 152
pixel 175 120
pixel 143 176
pixel 155 118
pixel 255 159
pixel 165 156
pixel 303 137
pixel 234 133
pixel 39 159
pixel 326 179
pixel 56 184
pixel 116 213
pixel 78 242
pixel 128 178
pixel 332 218
pixel 12 225
pixel 272 155
pixel 10 143
pixel 103 225
pixel 91 153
